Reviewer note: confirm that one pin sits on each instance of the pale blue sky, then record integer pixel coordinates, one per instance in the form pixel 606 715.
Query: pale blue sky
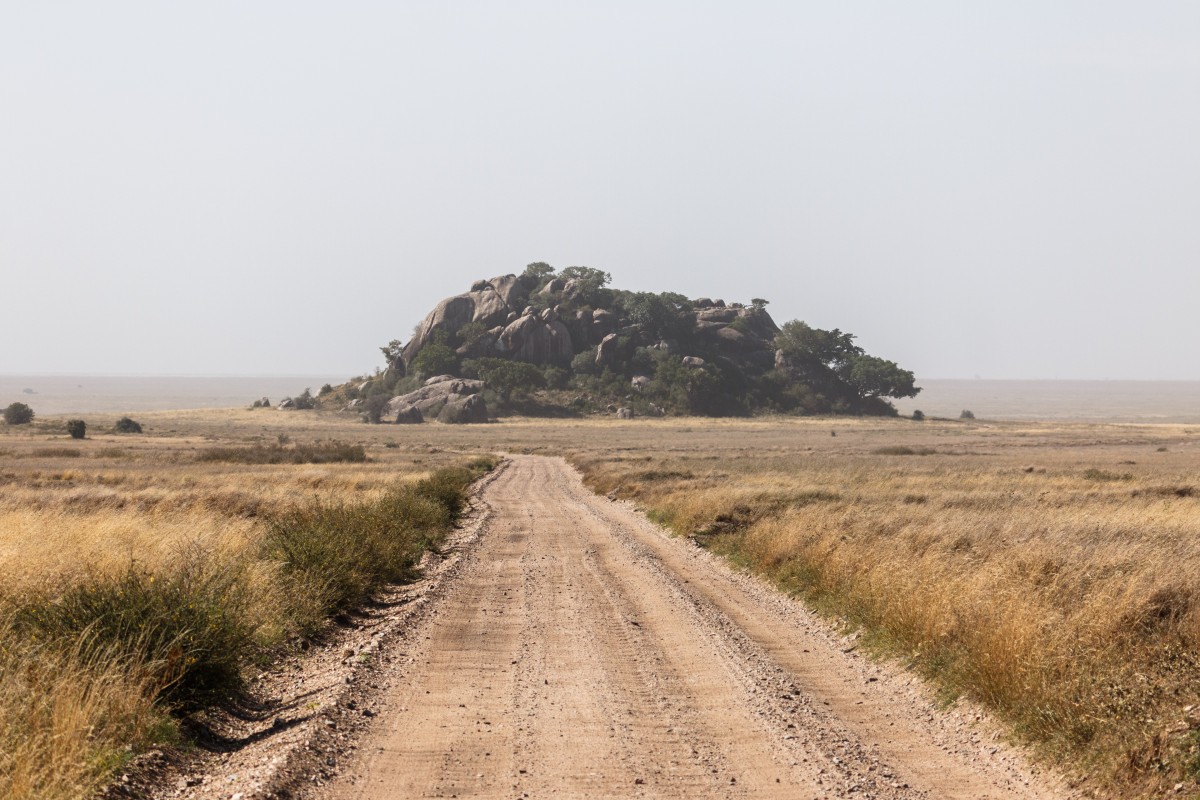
pixel 1009 190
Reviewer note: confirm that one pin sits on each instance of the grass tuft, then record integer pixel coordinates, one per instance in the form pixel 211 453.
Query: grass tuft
pixel 316 453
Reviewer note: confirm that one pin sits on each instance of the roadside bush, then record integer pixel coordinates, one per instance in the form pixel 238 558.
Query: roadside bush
pixel 18 414
pixel 77 428
pixel 337 554
pixel 918 415
pixel 182 624
pixel 127 425
pixel 966 414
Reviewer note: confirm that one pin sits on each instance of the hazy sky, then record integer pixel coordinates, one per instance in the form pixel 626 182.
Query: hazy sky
pixel 281 187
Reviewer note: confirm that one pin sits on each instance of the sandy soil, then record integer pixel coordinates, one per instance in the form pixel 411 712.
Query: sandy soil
pixel 578 651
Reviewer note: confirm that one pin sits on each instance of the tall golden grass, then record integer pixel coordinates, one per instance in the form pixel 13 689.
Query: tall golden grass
pixel 1053 575
pixel 139 574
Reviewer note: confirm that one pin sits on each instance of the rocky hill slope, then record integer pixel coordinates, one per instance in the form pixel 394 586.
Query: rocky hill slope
pixel 566 342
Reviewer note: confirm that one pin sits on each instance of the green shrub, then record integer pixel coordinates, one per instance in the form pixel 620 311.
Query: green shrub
pixel 77 428
pixel 127 425
pixel 18 414
pixel 966 414
pixel 304 401
pixel 184 623
pixel 918 415
pixel 374 407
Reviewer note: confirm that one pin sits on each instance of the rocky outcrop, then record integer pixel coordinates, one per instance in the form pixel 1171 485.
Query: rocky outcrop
pixel 489 303
pixel 409 416
pixel 429 401
pixel 537 339
pixel 548 326
pixel 463 410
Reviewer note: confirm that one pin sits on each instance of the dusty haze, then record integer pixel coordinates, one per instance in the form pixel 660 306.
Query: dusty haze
pixel 1006 191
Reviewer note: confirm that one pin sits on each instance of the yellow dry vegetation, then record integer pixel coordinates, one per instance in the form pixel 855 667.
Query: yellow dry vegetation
pixel 83 512
pixel 1049 571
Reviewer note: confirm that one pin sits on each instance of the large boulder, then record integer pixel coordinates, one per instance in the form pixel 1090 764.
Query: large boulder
pixel 430 399
pixel 606 350
pixel 489 303
pixel 537 341
pixel 511 290
pixel 409 416
pixel 464 410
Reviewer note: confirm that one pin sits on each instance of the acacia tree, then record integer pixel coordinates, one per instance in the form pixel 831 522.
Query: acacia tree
pixel 831 361
pixel 875 377
pixel 18 414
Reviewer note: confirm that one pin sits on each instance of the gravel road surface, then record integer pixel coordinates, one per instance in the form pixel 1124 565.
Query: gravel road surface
pixel 581 652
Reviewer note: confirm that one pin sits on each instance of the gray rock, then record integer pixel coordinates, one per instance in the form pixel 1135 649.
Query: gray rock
pixel 438 379
pixel 606 349
pixel 624 413
pixel 430 399
pixel 409 416
pixel 286 402
pixel 510 289
pixel 555 286
pixel 717 314
pixel 657 411
pixel 738 341
pixel 703 302
pixel 603 323
pixel 640 382
pixel 464 410
pixel 693 361
pixel 536 341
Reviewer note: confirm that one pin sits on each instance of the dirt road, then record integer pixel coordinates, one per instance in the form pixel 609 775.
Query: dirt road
pixel 582 653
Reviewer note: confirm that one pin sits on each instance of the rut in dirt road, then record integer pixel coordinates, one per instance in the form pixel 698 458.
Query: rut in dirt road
pixel 583 653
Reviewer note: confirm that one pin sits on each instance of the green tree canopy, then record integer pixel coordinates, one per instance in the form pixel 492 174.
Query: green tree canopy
pixel 809 346
pixel 18 414
pixel 437 357
pixel 871 377
pixel 509 378
pixel 538 272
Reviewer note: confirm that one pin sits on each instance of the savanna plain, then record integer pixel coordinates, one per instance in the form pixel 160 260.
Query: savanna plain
pixel 1048 572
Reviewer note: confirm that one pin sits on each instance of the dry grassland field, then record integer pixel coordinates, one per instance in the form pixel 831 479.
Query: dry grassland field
pixel 1050 572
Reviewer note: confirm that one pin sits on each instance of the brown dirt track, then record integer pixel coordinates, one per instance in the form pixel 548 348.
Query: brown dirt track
pixel 581 652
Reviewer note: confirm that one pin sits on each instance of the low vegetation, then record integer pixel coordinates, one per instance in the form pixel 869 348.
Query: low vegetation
pixel 137 590
pixel 1064 597
pixel 278 453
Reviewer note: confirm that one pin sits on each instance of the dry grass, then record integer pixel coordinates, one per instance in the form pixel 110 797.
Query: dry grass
pixel 1032 567
pixel 1052 573
pixel 136 578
